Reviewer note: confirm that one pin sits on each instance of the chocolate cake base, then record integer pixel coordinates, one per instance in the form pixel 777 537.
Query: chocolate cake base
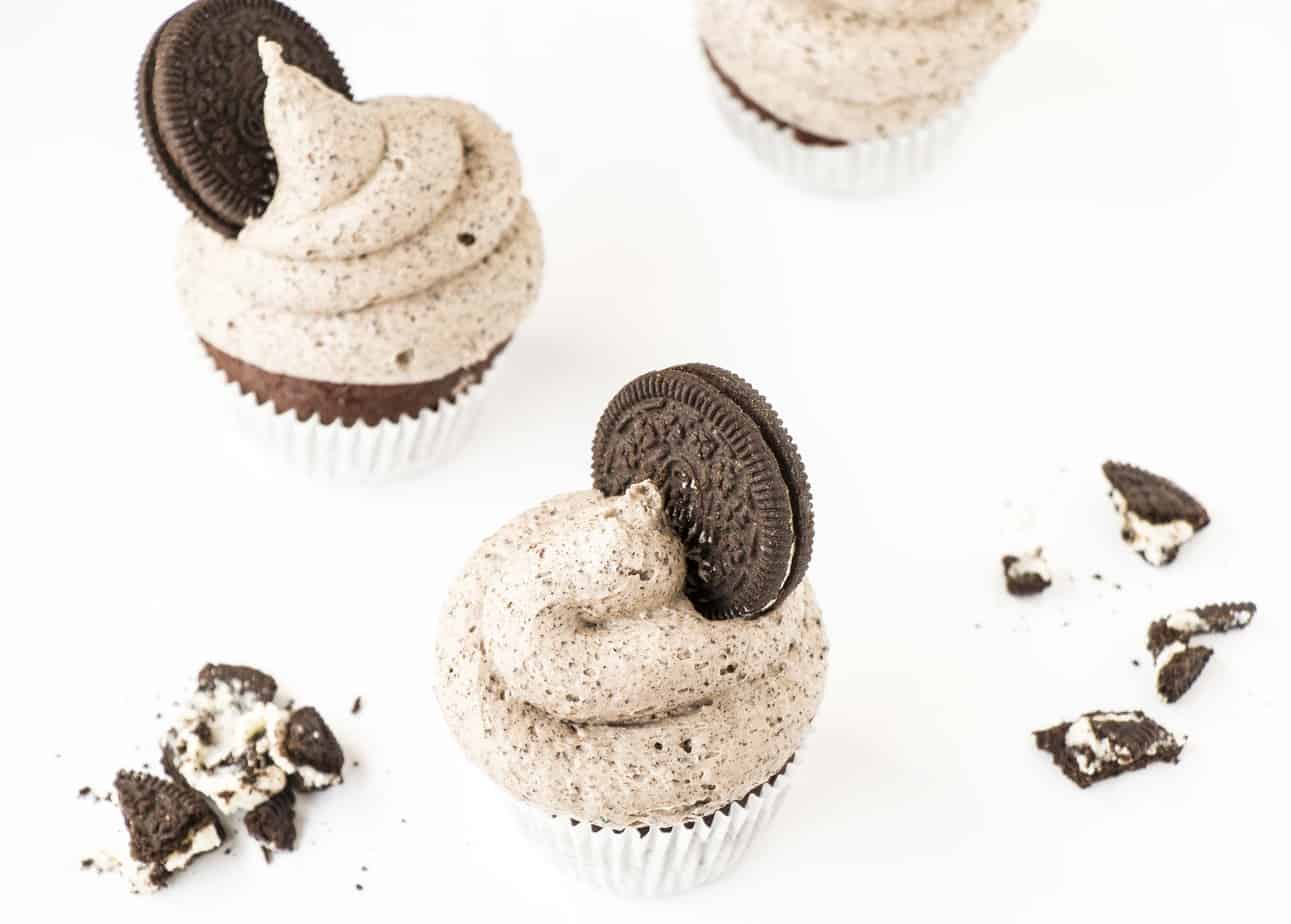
pixel 801 135
pixel 349 404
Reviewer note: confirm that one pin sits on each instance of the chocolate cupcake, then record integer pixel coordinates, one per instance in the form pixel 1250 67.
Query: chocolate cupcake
pixel 853 96
pixel 355 296
pixel 620 661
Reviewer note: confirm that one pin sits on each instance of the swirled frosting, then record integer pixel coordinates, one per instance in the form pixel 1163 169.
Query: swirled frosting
pixel 856 70
pixel 574 671
pixel 397 247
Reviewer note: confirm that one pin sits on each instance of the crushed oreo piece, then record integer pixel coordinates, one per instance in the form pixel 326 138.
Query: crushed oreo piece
pixel 273 824
pixel 1157 516
pixel 1203 620
pixel 1178 662
pixel 1102 745
pixel 1178 668
pixel 239 679
pixel 169 826
pixel 1027 575
pixel 358 705
pixel 312 747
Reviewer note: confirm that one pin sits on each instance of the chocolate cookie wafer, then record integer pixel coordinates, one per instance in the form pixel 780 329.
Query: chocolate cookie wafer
pixel 1101 745
pixel 200 101
pixel 1157 515
pixel 733 484
pixel 169 825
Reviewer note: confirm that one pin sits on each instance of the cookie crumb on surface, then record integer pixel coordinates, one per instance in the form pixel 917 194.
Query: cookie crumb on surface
pixel 1027 575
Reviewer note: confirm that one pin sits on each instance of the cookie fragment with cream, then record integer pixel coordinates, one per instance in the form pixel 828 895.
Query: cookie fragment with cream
pixel 1027 575
pixel 1101 745
pixel 232 743
pixel 169 825
pixel 1178 662
pixel 1157 516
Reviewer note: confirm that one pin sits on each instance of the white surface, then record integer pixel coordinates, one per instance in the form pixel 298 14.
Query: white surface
pixel 1099 272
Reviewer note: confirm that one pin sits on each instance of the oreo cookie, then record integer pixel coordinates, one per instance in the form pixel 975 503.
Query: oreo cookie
pixel 1157 515
pixel 1101 745
pixel 200 101
pixel 169 824
pixel 734 487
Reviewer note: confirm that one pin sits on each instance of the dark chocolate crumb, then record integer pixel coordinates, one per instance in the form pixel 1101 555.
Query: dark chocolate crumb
pixel 358 705
pixel 358 887
pixel 268 854
pixel 83 792
pixel 466 239
pixel 87 863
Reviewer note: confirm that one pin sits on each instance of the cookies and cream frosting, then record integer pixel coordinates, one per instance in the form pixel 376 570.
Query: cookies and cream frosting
pixel 397 248
pixel 574 671
pixel 856 70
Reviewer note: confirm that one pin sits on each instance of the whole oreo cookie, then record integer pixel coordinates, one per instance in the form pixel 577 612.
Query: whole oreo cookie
pixel 200 101
pixel 733 483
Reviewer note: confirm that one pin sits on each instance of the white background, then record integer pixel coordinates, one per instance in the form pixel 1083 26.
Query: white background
pixel 1101 272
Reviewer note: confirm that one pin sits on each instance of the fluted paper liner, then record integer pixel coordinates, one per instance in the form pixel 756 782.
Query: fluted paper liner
pixel 656 861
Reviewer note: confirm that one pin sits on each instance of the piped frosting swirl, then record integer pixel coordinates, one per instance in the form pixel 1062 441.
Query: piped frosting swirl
pixel 574 671
pixel 398 246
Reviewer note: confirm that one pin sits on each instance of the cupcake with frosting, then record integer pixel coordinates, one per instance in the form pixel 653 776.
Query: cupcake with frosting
pixel 356 309
pixel 853 96
pixel 637 665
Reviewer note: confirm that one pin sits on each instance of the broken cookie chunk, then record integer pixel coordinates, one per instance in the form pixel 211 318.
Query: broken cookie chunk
pixel 273 824
pixel 234 745
pixel 1178 667
pixel 1101 745
pixel 311 746
pixel 1157 516
pixel 1027 575
pixel 1180 663
pixel 169 825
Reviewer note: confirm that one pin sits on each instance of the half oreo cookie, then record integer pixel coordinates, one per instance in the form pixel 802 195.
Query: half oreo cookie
pixel 200 102
pixel 733 483
pixel 1157 516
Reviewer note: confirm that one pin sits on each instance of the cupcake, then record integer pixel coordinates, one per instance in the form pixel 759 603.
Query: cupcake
pixel 637 665
pixel 353 271
pixel 853 96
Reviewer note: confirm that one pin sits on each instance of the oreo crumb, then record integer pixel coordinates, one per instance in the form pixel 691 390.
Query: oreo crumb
pixel 358 705
pixel 1027 575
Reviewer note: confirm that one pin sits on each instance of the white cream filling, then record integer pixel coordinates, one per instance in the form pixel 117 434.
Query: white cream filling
pixel 1151 540
pixel 1082 734
pixel 204 841
pixel 1188 622
pixel 237 723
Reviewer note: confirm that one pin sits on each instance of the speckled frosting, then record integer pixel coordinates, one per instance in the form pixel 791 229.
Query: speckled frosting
pixel 397 248
pixel 575 672
pixel 857 70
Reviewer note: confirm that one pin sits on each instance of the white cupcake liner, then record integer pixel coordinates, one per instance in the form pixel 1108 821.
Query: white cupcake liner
pixel 868 168
pixel 361 452
pixel 656 861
